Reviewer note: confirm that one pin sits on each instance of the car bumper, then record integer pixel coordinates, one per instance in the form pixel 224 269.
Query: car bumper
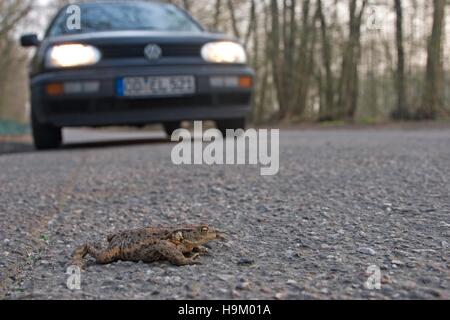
pixel 105 108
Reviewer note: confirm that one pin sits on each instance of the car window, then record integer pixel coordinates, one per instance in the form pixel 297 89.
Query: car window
pixel 123 16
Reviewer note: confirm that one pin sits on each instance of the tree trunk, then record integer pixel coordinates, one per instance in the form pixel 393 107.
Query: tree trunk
pixel 327 112
pixel 217 11
pixel 433 95
pixel 401 111
pixel 349 82
pixel 304 62
pixel 234 22
pixel 187 5
pixel 277 63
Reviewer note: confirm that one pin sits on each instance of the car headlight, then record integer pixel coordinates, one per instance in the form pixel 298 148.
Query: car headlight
pixel 72 55
pixel 224 52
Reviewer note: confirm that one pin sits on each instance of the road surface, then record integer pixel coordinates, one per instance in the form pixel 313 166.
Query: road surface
pixel 344 201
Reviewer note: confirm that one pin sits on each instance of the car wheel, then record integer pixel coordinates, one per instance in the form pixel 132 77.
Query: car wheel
pixel 171 127
pixel 45 136
pixel 232 124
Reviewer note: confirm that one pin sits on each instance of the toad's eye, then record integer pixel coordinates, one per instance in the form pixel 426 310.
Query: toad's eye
pixel 205 229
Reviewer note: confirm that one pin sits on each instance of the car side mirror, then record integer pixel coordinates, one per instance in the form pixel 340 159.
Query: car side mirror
pixel 29 40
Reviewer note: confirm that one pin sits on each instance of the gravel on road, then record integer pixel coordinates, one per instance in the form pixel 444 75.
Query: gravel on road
pixel 343 201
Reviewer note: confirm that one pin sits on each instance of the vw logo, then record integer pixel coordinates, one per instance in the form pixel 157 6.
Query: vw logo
pixel 153 52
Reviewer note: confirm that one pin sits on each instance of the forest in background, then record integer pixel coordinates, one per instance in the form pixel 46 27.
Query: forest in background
pixel 315 60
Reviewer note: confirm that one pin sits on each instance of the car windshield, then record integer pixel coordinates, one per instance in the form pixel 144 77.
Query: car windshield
pixel 97 17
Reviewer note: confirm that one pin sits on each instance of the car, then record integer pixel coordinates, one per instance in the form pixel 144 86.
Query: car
pixel 134 63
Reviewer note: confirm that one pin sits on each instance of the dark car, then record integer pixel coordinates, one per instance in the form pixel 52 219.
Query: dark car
pixel 134 63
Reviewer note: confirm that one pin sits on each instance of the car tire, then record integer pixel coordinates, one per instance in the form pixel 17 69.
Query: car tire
pixel 232 124
pixel 171 127
pixel 45 136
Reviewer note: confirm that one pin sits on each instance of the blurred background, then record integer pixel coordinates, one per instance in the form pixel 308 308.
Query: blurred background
pixel 337 61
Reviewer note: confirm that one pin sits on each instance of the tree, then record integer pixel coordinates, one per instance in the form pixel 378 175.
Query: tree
pixel 401 111
pixel 327 109
pixel 292 42
pixel 433 95
pixel 12 13
pixel 349 81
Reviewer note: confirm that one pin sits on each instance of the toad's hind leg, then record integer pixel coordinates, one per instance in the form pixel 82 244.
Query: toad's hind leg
pixel 78 256
pixel 101 256
pixel 170 252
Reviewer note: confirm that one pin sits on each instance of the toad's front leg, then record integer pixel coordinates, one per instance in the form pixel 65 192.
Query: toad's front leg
pixel 171 253
pixel 201 250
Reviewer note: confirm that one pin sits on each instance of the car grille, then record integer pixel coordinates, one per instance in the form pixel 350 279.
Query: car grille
pixel 137 51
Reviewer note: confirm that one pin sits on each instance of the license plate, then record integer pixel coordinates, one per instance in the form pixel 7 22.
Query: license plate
pixel 155 86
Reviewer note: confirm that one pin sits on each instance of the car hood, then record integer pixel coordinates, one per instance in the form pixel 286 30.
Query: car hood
pixel 138 37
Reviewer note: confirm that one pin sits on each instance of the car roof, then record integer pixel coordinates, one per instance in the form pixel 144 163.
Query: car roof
pixel 121 2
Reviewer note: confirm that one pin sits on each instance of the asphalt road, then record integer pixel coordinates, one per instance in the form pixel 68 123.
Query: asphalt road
pixel 344 200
